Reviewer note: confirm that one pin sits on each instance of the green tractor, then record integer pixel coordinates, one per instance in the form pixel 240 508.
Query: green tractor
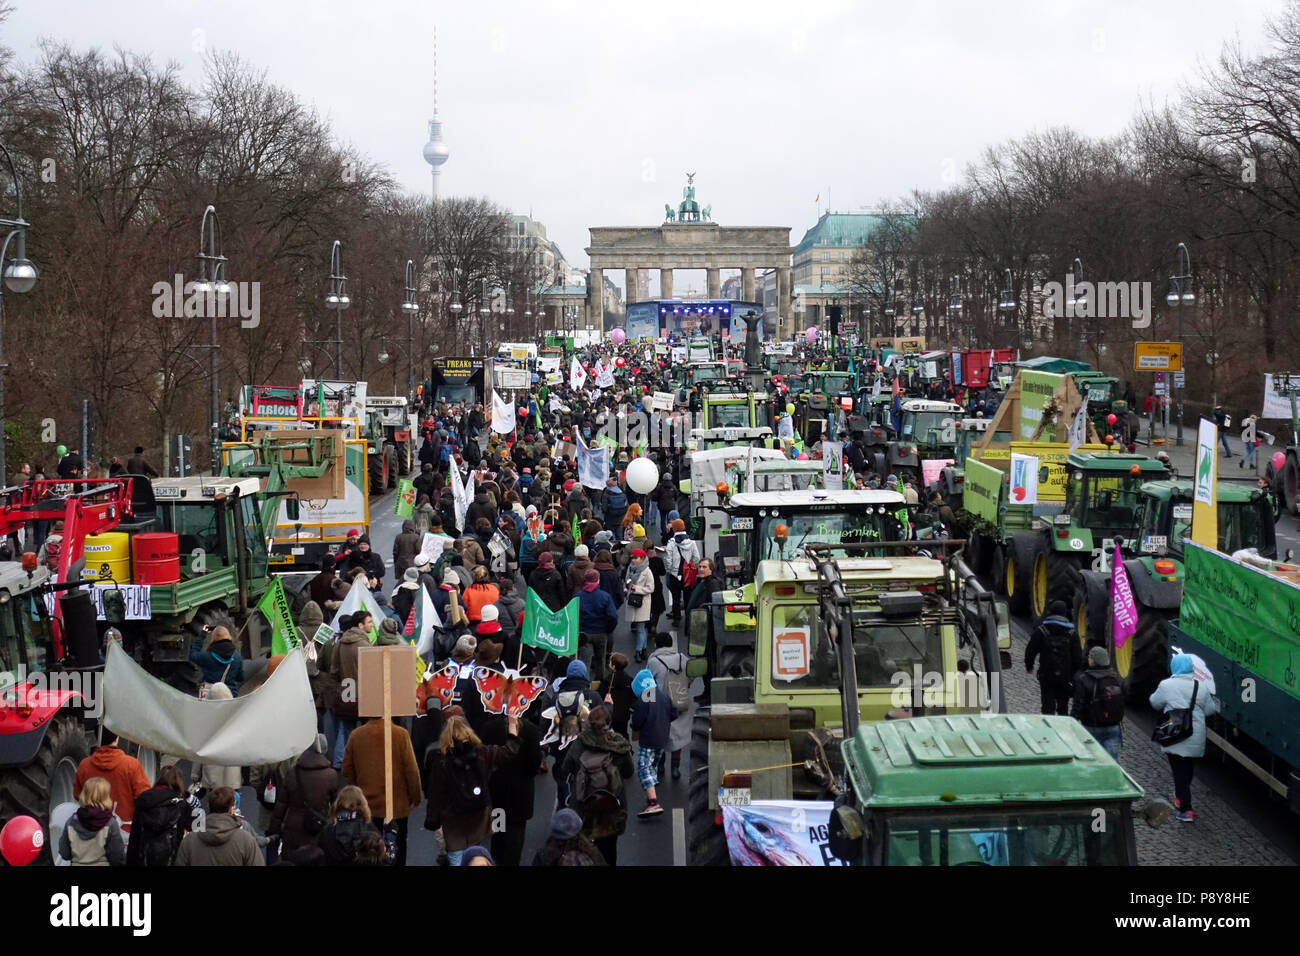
pixel 1103 500
pixel 839 641
pixel 1156 575
pixel 1105 398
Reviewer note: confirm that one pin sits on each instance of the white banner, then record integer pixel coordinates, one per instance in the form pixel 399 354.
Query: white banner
pixel 577 377
pixel 550 363
pixel 605 376
pixel 663 402
pixel 1207 439
pixel 593 466
pixel 1024 479
pixel 780 833
pixel 429 620
pixel 137 597
pixel 833 466
pixel 554 378
pixel 1079 427
pixel 431 546
pixel 273 723
pixel 1275 405
pixel 503 415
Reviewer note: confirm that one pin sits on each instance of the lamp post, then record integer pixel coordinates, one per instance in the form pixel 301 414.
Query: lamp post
pixel 1180 292
pixel 212 284
pixel 410 306
pixel 1072 304
pixel 337 299
pixel 954 303
pixel 20 275
pixel 1007 298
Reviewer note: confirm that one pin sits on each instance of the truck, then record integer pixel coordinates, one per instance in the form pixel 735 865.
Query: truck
pixel 392 417
pixel 455 380
pixel 348 404
pixel 980 368
pixel 316 522
pixel 839 641
pixel 1156 571
pixel 1240 617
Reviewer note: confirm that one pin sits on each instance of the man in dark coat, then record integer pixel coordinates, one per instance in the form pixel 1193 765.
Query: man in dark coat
pixel 405 547
pixel 1055 641
pixel 311 784
pixel 550 585
pixel 365 557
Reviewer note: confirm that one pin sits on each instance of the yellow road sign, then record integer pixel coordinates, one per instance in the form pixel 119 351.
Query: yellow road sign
pixel 1157 356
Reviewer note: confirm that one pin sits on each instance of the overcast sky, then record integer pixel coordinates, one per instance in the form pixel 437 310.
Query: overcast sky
pixel 591 114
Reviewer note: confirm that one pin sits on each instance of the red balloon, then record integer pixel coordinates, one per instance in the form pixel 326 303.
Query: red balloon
pixel 523 412
pixel 1111 419
pixel 619 361
pixel 21 841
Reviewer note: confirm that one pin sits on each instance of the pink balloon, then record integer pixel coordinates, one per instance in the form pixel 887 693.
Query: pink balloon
pixel 617 336
pixel 810 336
pixel 1278 459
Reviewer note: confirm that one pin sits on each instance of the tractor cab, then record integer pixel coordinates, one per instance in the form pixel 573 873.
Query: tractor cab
pixel 1245 519
pixel 1103 499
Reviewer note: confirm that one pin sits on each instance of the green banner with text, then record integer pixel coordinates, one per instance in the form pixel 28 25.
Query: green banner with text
pixel 1035 390
pixel 1248 615
pixel 982 490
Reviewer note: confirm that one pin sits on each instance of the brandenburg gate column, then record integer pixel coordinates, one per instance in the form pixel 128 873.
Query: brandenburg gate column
pixel 747 284
pixel 596 299
pixel 784 303
pixel 629 279
pixel 665 283
pixel 714 277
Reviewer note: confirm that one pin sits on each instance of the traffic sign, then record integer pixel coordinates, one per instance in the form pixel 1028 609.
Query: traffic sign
pixel 1153 356
pixel 1180 379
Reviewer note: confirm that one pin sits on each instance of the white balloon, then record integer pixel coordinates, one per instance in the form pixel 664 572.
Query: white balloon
pixel 642 476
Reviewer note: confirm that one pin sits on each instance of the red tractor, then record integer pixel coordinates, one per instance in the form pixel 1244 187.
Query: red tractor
pixel 49 643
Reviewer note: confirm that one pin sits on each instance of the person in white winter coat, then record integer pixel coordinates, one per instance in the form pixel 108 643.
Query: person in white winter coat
pixel 640 581
pixel 680 550
pixel 1175 693
pixel 1248 436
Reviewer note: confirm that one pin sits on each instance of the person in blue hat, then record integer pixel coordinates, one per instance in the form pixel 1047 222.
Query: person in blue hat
pixel 1179 691
pixel 652 719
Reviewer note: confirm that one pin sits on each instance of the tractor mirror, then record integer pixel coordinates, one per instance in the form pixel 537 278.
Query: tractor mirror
pixel 291 508
pixel 846 832
pixel 1043 475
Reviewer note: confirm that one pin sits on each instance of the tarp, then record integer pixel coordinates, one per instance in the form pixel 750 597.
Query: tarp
pixel 273 723
pixel 593 465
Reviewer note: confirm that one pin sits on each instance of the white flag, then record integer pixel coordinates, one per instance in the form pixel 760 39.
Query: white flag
pixel 832 466
pixel 577 377
pixel 1024 479
pixel 593 466
pixel 605 376
pixel 1079 427
pixel 428 621
pixel 359 599
pixel 460 495
pixel 503 415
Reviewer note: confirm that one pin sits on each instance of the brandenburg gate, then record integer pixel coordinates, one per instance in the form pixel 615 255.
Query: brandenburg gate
pixel 689 239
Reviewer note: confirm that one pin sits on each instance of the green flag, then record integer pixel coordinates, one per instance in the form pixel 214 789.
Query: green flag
pixel 577 534
pixel 404 506
pixel 554 631
pixel 275 607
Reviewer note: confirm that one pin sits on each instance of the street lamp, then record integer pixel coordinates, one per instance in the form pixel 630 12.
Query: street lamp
pixel 337 299
pixel 20 275
pixel 1072 304
pixel 954 303
pixel 410 306
pixel 212 283
pixel 1180 293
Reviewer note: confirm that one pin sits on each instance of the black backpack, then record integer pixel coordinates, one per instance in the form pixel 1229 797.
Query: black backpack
pixel 1055 658
pixel 467 782
pixel 1105 706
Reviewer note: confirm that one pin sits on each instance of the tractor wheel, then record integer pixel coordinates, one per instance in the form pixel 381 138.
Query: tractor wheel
pixel 1060 580
pixel 403 458
pixel 997 569
pixel 706 844
pixel 394 465
pixel 878 463
pixel 375 467
pixel 1021 551
pixel 36 789
pixel 1092 610
pixel 1289 486
pixel 1143 661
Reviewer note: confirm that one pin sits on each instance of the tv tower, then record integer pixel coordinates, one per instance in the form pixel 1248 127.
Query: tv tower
pixel 435 150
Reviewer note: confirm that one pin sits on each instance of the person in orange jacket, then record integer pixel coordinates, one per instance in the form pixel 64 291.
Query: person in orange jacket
pixel 125 776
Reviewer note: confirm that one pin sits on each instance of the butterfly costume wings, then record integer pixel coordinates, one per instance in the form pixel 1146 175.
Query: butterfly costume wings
pixel 508 692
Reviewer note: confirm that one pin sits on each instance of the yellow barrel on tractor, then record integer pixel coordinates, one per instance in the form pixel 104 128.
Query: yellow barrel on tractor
pixel 108 555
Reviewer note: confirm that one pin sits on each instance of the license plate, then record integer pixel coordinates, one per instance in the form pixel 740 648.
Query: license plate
pixel 733 797
pixel 298 551
pixel 742 524
pixel 1154 543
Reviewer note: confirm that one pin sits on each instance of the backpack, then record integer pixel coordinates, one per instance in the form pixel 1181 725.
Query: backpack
pixel 467 782
pixel 679 686
pixel 1055 659
pixel 1105 706
pixel 444 454
pixel 597 785
pixel 689 572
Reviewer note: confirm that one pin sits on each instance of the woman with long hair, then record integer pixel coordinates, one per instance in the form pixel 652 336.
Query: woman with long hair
pixel 459 800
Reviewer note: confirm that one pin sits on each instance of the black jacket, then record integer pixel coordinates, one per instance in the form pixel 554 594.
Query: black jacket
pixel 340 842
pixel 512 785
pixel 370 560
pixel 552 587
pixel 480 507
pixel 1048 633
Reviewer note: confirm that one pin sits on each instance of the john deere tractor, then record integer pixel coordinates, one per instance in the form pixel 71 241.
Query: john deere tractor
pixel 1155 571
